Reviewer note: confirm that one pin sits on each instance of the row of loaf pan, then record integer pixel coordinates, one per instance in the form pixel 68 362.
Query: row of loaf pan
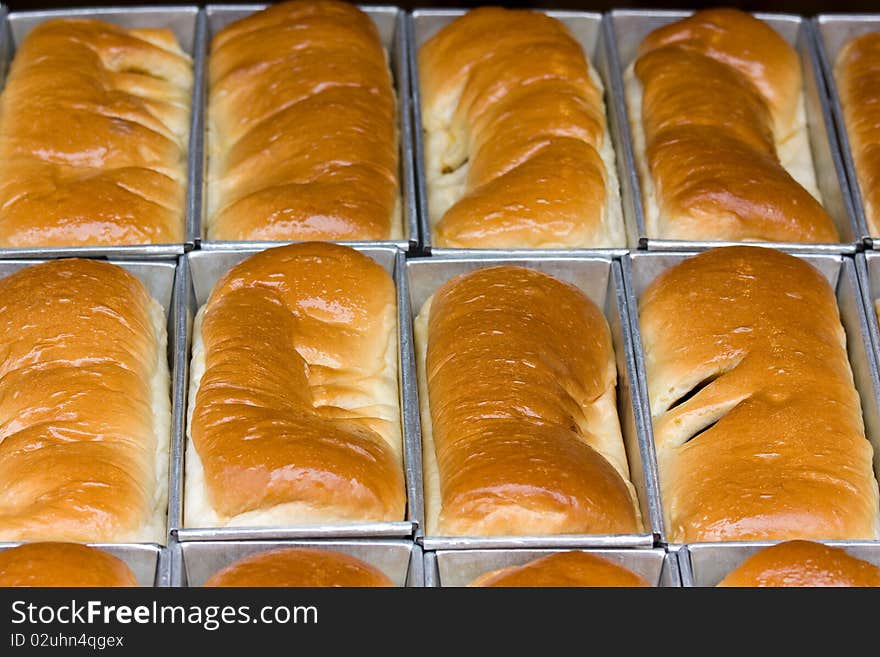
pixel 610 40
pixel 614 284
pixel 194 28
pixel 406 564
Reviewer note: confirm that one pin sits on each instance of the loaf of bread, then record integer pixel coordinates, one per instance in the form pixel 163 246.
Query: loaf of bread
pixel 803 563
pixel 300 567
pixel 857 73
pixel 94 129
pixel 84 405
pixel 757 422
pixel 517 151
pixel 519 421
pixel 302 127
pixel 62 565
pixel 562 569
pixel 717 115
pixel 294 412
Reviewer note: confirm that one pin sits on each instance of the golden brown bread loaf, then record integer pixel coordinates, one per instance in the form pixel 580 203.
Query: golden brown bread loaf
pixel 294 398
pixel 716 110
pixel 62 564
pixel 519 421
pixel 757 423
pixel 94 128
pixel 302 127
pixel 84 405
pixel 299 567
pixel 562 569
pixel 517 150
pixel 803 563
pixel 857 72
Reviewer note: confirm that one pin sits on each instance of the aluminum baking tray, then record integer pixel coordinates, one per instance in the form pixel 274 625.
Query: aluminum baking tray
pixel 199 271
pixel 625 31
pixel 160 279
pixel 458 568
pixel 187 24
pixel 587 29
pixel 401 561
pixel 831 32
pixel 640 269
pixel 151 564
pixel 391 22
pixel 868 272
pixel 599 277
pixel 707 564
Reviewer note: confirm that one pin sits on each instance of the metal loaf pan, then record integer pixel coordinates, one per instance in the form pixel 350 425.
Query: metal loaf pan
pixel 599 278
pixel 456 568
pixel 186 23
pixel 199 271
pixel 160 280
pixel 832 32
pixel 640 269
pixel 625 31
pixel 391 22
pixel 151 564
pixel 401 561
pixel 587 29
pixel 868 271
pixel 706 564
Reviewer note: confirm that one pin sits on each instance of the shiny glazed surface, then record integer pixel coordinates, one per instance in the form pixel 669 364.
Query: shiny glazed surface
pixel 757 423
pixel 303 137
pixel 62 565
pixel 78 440
pixel 803 563
pixel 721 91
pixel 562 569
pixel 520 373
pixel 858 78
pixel 94 134
pixel 299 567
pixel 287 411
pixel 521 110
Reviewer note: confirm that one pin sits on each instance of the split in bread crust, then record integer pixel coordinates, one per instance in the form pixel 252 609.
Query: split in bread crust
pixel 803 563
pixel 562 569
pixel 520 427
pixel 299 567
pixel 517 149
pixel 857 72
pixel 716 109
pixel 757 422
pixel 294 415
pixel 94 130
pixel 62 565
pixel 302 127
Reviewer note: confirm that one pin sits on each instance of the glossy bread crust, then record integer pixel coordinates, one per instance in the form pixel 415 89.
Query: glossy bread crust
pixel 720 119
pixel 521 434
pixel 62 565
pixel 564 569
pixel 803 563
pixel 757 422
pixel 84 405
pixel 300 567
pixel 94 129
pixel 517 150
pixel 295 417
pixel 857 72
pixel 302 127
